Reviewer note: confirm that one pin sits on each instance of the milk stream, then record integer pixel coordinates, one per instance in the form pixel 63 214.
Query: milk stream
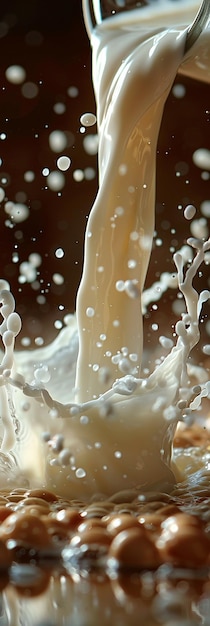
pixel 109 429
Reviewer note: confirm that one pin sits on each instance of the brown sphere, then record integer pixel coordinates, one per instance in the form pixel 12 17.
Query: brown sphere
pixel 134 549
pixel 183 541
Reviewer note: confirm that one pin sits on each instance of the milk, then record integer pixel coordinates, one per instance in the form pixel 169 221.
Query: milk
pixel 112 430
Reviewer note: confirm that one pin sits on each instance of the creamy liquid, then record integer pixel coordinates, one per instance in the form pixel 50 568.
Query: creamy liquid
pixel 117 428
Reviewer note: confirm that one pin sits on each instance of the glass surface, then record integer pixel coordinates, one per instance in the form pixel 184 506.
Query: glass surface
pixel 106 8
pixel 109 7
pixel 54 597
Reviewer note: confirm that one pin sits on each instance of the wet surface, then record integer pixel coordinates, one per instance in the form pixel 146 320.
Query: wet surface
pixel 52 46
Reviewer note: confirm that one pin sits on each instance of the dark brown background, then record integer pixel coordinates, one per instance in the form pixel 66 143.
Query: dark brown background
pixel 61 58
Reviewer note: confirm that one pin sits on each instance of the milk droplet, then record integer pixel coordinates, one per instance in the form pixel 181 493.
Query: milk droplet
pixel 132 289
pixel 120 285
pixel 90 311
pixel 131 264
pixel 59 253
pixel 17 212
pixel 39 341
pixel 189 212
pixel 58 324
pixel 35 259
pixel 201 158
pixel 29 176
pixel 59 108
pixel 29 90
pixel 26 341
pixel 57 140
pixel 58 279
pixel 15 74
pixel 122 169
pixel 80 472
pixel 64 457
pixel 2 194
pixel 56 181
pixel 165 342
pixel 45 171
pixel 206 349
pixel 73 91
pixel 42 374
pixel 89 173
pixel 205 208
pixel 27 271
pixel 90 143
pixel 78 175
pixel 88 119
pixel 179 90
pixel 63 163
pixel 14 323
pixel 134 235
pixel 133 356
pixel 199 228
pixel 84 419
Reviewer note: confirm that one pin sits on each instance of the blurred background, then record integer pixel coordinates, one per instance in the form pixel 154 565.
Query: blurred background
pixel 48 167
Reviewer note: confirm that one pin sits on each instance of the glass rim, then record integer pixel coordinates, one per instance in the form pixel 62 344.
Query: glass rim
pixel 93 16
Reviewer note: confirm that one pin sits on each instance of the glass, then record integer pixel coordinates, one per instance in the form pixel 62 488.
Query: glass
pixel 106 8
pixel 95 11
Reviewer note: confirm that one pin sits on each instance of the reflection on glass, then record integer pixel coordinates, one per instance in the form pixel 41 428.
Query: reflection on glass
pixel 101 9
pixel 106 8
pixel 55 598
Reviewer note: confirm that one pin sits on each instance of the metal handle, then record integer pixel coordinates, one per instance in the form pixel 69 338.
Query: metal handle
pixel 200 22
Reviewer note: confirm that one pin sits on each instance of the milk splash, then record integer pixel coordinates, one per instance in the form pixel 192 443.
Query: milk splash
pixel 111 433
